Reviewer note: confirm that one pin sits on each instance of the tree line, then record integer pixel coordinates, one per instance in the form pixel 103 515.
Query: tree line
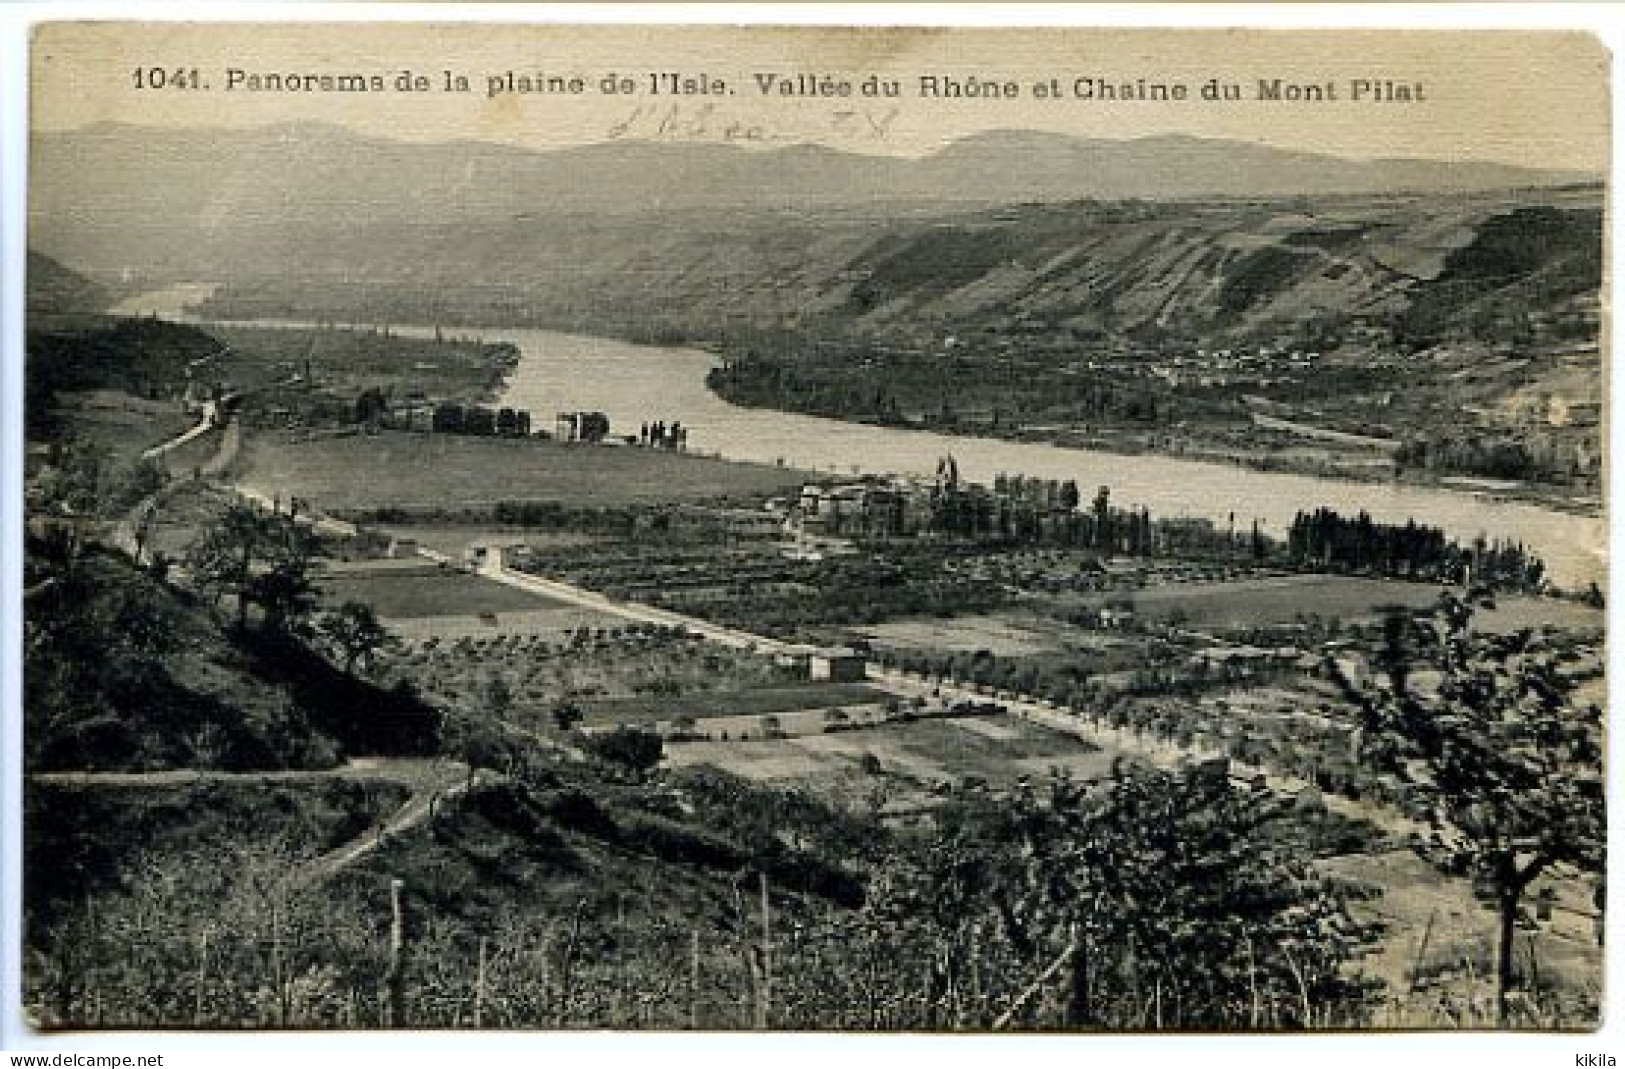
pixel 1325 539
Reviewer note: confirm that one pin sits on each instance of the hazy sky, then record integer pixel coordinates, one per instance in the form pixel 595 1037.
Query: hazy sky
pixel 1538 99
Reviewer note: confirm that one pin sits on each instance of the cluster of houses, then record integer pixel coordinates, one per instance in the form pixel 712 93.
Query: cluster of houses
pixel 838 664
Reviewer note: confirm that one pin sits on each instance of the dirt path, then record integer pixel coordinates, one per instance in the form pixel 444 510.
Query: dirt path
pixel 411 771
pixel 203 426
pixel 497 570
pixel 417 810
pixel 433 784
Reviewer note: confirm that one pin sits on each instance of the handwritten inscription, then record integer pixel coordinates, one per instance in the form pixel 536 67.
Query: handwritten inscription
pixel 709 121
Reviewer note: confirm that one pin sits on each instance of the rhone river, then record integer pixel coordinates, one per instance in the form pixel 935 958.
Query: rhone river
pixel 637 383
pixel 634 383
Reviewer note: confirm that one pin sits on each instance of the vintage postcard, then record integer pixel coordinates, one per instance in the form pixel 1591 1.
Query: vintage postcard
pixel 544 527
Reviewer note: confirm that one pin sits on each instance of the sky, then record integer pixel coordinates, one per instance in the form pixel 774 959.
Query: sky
pixel 1534 98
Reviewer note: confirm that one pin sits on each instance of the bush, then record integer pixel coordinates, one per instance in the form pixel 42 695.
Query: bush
pixel 634 749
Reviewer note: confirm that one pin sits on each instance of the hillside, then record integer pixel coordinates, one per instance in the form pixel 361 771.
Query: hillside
pixel 1096 294
pixel 55 293
pixel 307 172
pixel 124 673
pixel 1004 234
pixel 1066 277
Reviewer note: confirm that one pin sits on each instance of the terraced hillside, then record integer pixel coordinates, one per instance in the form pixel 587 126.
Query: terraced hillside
pixel 1075 275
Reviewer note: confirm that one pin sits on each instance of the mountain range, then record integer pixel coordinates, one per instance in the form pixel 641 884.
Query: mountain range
pixel 317 173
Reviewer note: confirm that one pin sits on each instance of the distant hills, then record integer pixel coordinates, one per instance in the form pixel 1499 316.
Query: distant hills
pixel 317 173
pixel 54 292
pixel 1008 234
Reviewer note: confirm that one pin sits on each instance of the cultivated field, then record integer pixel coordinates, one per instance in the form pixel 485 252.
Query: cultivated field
pixel 706 705
pixel 423 471
pixel 1282 599
pixel 420 590
pixel 653 672
pixel 918 753
pixel 1001 634
pixel 453 538
pixel 534 624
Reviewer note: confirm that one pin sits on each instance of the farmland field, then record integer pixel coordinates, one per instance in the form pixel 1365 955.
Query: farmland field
pixel 449 471
pixel 428 590
pixel 1000 749
pixel 1281 599
pixel 1513 612
pixel 756 702
pixel 1266 600
pixel 1000 634
pixel 453 538
pixel 551 624
pixel 1461 929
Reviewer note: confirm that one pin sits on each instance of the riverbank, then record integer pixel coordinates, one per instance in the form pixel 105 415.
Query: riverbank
pixel 634 383
pixel 414 471
pixel 1288 454
pixel 1271 447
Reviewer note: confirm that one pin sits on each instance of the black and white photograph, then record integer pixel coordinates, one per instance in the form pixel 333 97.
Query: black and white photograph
pixel 542 527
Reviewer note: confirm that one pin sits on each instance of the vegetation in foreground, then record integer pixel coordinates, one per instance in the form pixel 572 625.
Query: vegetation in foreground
pixel 291 845
pixel 564 897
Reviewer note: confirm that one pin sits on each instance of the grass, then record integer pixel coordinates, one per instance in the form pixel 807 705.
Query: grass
pixel 453 538
pixel 349 360
pixel 121 423
pixel 1512 613
pixel 997 749
pixel 550 624
pixel 761 701
pixel 1002 635
pixel 1458 961
pixel 428 590
pixel 1274 599
pixel 445 471
pixel 1282 599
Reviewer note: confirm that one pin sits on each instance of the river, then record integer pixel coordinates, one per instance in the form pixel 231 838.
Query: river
pixel 637 383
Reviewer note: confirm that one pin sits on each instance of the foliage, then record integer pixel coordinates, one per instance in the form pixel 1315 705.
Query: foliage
pixel 259 558
pixel 93 643
pixel 567 714
pixel 1151 901
pixel 1484 731
pixel 1325 539
pixel 353 632
pixel 636 750
pixel 144 357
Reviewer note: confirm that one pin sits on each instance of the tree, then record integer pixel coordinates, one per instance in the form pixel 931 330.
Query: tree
pixel 371 406
pixel 352 631
pixel 96 646
pixel 1484 730
pixel 567 714
pixel 286 594
pixel 1069 495
pixel 498 695
pixel 634 749
pixel 1147 901
pixel 264 559
pixel 285 588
